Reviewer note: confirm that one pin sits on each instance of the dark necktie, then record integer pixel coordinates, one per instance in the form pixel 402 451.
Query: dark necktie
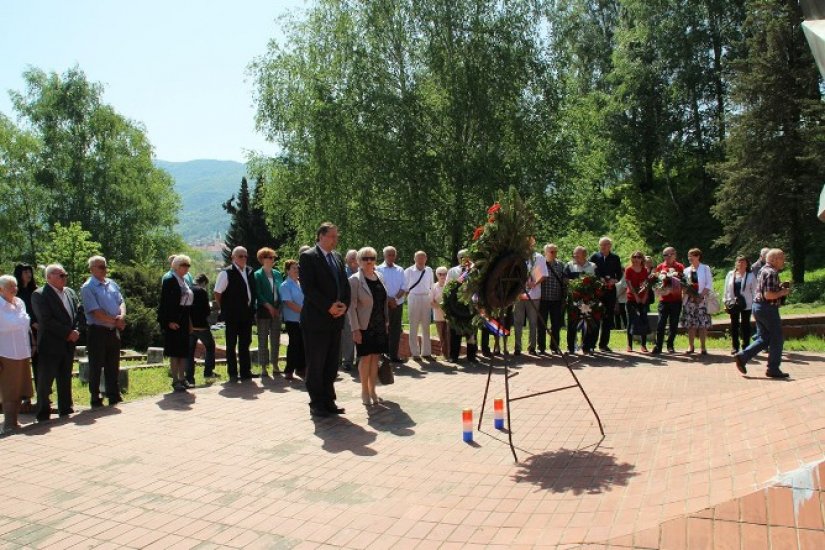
pixel 333 267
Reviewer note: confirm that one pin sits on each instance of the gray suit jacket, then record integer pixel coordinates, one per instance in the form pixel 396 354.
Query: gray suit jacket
pixel 360 307
pixel 55 324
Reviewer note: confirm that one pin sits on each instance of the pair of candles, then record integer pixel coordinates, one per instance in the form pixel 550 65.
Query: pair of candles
pixel 467 419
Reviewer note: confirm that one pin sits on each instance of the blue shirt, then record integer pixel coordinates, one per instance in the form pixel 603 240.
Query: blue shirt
pixel 104 296
pixel 291 292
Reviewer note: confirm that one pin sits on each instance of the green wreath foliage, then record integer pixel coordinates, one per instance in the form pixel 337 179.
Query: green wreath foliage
pixel 500 251
pixel 459 315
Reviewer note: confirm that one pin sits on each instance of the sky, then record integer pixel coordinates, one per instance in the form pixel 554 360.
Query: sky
pixel 176 66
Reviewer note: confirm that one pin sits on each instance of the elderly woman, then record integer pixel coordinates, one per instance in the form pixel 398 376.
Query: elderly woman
pixel 26 285
pixel 174 316
pixel 636 282
pixel 268 282
pixel 15 353
pixel 740 284
pixel 438 314
pixel 695 316
pixel 369 318
pixel 293 299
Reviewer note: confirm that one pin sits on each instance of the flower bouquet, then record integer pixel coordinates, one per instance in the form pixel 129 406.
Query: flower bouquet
pixel 690 288
pixel 666 282
pixel 584 301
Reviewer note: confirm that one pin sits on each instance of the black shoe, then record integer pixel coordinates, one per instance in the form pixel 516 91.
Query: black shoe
pixel 605 349
pixel 115 400
pixel 233 379
pixel 66 412
pixel 472 359
pixel 517 352
pixel 486 353
pixel 211 375
pixel 347 367
pixel 190 383
pixel 43 418
pixel 656 350
pixel 318 411
pixel 336 410
pixel 96 403
pixel 671 350
pixel 776 374
pixel 531 351
pixel 397 360
pixel 740 364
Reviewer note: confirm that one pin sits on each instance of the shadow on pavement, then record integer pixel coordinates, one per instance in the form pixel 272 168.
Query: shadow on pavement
pixel 177 401
pixel 85 417
pixel 246 389
pixel 339 434
pixel 575 470
pixel 388 416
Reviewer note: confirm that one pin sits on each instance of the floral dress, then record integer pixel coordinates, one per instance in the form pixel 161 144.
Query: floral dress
pixel 694 314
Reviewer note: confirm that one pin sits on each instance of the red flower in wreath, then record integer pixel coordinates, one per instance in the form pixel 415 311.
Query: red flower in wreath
pixel 577 295
pixel 587 281
pixel 493 209
pixel 597 316
pixel 478 232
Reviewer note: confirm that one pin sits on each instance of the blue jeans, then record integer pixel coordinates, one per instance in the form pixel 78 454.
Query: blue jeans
pixel 668 317
pixel 768 336
pixel 205 336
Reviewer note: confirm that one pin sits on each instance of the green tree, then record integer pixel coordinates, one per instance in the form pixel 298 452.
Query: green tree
pixel 240 226
pixel 95 165
pixel 773 172
pixel 70 246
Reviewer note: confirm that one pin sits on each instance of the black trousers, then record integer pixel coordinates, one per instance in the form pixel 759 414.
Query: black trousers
pixel 740 325
pixel 322 349
pixel 238 333
pixel 604 328
pixel 395 330
pixel 295 350
pixel 589 339
pixel 103 347
pixel 455 345
pixel 553 310
pixel 668 315
pixel 55 367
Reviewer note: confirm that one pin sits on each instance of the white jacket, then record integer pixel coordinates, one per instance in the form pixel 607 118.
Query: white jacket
pixel 704 275
pixel 748 288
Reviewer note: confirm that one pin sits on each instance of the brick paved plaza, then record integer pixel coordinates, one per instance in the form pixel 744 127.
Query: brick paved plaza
pixel 695 456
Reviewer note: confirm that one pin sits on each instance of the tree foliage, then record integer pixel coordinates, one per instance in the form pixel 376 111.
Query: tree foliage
pixel 75 159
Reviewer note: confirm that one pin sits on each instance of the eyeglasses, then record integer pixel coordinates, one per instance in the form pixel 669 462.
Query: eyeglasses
pixel 63 275
pixel 368 258
pixel 667 255
pixel 185 265
pixel 241 256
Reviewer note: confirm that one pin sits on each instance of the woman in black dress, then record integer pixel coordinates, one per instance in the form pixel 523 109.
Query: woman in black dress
pixel 369 318
pixel 174 317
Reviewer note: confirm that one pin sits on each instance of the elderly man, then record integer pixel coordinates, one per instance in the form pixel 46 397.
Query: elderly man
pixel 418 280
pixel 553 293
pixel 609 270
pixel 528 304
pixel 105 317
pixel 347 345
pixel 57 310
pixel 760 263
pixel 394 281
pixel 579 267
pixel 670 302
pixel 458 273
pixel 235 294
pixel 326 298
pixel 766 301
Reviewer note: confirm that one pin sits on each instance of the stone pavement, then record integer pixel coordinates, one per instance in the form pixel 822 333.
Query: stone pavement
pixel 692 455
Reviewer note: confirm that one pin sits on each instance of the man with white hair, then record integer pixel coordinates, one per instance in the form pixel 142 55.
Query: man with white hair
pixel 418 280
pixel 394 282
pixel 57 310
pixel 235 294
pixel 527 307
pixel 609 270
pixel 766 301
pixel 105 318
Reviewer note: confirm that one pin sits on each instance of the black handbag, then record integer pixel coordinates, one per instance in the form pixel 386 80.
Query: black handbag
pixel 735 304
pixel 385 374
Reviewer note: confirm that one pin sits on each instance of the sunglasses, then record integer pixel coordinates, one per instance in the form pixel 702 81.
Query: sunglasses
pixel 63 275
pixel 185 265
pixel 368 258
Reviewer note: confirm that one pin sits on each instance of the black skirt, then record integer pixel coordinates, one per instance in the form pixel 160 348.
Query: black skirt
pixel 373 341
pixel 176 342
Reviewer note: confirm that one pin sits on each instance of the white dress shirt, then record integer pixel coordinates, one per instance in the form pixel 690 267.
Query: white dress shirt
pixel 394 280
pixel 64 298
pixel 411 276
pixel 223 281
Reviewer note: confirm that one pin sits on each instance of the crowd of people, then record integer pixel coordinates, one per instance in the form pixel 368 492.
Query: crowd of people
pixel 342 311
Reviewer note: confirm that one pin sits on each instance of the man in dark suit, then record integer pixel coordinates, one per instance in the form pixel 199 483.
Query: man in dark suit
pixel 235 293
pixel 326 298
pixel 609 269
pixel 57 310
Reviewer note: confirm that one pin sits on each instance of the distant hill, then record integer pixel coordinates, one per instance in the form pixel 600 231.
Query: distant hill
pixel 203 186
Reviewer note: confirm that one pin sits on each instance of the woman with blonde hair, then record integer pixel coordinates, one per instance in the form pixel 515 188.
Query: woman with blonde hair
pixel 174 317
pixel 369 318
